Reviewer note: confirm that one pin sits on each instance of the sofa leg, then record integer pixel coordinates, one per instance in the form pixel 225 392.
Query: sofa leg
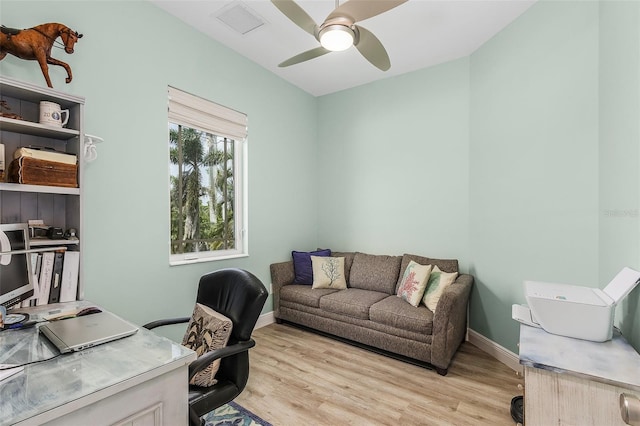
pixel 442 371
pixel 278 321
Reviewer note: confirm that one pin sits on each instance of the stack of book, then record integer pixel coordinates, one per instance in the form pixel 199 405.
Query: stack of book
pixel 44 166
pixel 55 277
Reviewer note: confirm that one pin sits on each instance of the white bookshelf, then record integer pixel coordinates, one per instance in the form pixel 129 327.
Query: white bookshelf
pixel 54 205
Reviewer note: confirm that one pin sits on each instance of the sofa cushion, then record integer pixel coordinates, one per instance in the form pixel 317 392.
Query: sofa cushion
pixel 348 261
pixel 414 283
pixel 328 272
pixel 438 282
pixel 302 265
pixel 304 294
pixel 395 312
pixel 352 302
pixel 375 272
pixel 445 265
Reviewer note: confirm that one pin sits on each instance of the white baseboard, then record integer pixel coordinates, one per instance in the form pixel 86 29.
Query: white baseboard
pixel 265 319
pixel 500 353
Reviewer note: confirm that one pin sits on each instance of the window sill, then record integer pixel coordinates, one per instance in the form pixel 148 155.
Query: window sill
pixel 206 259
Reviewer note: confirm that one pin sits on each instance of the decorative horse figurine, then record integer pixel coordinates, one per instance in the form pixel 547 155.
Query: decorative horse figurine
pixel 35 44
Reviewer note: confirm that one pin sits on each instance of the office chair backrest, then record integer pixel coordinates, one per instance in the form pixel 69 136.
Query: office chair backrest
pixel 237 294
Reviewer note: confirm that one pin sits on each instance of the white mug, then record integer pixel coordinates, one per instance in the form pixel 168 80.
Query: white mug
pixel 51 114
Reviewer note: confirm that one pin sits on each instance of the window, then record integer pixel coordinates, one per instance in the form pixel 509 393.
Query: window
pixel 206 170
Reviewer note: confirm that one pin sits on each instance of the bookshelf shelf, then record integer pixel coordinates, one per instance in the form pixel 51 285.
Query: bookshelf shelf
pixel 36 129
pixel 21 187
pixel 45 242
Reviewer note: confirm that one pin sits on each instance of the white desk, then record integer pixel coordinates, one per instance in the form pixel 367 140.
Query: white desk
pixel 141 379
pixel 576 382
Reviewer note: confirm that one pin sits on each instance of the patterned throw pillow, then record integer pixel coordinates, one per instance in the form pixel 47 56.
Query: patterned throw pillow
pixel 438 282
pixel 328 272
pixel 414 282
pixel 207 330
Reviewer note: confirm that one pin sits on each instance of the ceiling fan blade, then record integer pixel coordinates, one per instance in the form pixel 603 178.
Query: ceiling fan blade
pixel 372 49
pixel 294 12
pixel 304 56
pixel 359 10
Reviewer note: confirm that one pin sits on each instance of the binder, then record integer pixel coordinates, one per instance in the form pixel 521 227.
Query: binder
pixel 35 259
pixel 70 269
pixel 36 283
pixel 38 265
pixel 46 273
pixel 56 277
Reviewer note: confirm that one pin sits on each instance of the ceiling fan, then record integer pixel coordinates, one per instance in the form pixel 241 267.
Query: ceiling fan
pixel 339 30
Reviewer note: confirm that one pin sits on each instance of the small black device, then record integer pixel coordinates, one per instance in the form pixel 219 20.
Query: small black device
pixel 517 409
pixel 55 233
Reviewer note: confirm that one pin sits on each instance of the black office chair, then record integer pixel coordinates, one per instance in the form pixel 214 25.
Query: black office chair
pixel 240 296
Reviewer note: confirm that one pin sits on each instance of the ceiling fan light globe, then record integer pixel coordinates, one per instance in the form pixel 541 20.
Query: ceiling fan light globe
pixel 336 38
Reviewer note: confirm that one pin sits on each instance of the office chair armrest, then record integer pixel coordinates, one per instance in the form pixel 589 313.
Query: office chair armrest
pixel 205 359
pixel 169 321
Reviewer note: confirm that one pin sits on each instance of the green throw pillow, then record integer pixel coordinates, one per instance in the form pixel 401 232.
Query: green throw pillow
pixel 438 282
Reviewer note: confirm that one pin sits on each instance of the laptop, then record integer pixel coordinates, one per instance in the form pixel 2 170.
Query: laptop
pixel 76 334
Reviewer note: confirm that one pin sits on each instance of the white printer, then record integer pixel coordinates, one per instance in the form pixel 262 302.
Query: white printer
pixel 574 311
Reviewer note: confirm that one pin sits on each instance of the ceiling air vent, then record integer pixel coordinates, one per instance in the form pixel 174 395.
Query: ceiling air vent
pixel 239 17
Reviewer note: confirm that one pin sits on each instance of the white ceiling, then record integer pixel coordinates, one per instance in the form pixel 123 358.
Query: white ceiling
pixel 416 34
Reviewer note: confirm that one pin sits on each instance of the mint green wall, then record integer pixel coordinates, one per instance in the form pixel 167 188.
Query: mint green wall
pixel 555 153
pixel 393 165
pixel 130 52
pixel 520 129
pixel 507 160
pixel 534 160
pixel 620 151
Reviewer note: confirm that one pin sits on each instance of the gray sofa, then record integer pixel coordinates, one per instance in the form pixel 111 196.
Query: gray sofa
pixel 370 314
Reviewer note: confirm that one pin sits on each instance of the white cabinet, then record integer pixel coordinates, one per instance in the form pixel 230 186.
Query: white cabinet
pixel 577 382
pixel 55 206
pixel 565 399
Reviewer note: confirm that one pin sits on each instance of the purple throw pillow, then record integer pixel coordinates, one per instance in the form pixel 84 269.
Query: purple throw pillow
pixel 302 265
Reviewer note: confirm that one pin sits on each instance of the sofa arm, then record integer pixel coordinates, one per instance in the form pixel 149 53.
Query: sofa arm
pixel 450 321
pixel 281 274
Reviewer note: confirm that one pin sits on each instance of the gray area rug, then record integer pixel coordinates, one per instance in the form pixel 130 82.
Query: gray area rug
pixel 232 414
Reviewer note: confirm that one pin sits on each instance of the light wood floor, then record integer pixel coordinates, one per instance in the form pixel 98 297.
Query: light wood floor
pixel 301 378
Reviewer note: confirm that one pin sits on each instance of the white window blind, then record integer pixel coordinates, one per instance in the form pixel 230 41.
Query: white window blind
pixel 193 111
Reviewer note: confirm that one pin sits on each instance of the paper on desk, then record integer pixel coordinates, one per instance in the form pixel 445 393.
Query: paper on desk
pixel 59 314
pixel 10 372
